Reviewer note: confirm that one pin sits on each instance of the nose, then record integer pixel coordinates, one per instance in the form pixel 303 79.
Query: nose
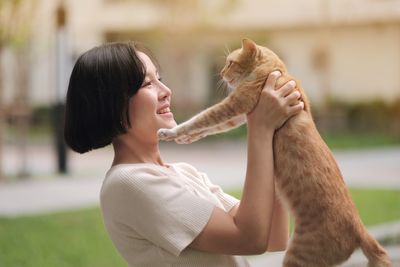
pixel 165 92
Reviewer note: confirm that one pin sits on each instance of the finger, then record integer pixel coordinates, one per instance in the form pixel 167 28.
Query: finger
pixel 293 98
pixel 296 108
pixel 287 88
pixel 271 80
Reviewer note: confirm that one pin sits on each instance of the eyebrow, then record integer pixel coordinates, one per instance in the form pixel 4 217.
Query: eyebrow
pixel 157 74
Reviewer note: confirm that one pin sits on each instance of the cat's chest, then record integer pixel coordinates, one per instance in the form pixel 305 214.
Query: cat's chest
pixel 295 131
pixel 294 143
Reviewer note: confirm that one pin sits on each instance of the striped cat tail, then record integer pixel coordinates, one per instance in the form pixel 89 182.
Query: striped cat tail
pixel 375 253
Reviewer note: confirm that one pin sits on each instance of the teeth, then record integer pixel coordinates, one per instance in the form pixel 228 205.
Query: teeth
pixel 165 110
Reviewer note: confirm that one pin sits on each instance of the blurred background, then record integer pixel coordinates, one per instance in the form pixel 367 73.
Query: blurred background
pixel 345 52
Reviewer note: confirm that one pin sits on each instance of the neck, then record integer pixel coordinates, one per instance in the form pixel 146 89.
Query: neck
pixel 128 149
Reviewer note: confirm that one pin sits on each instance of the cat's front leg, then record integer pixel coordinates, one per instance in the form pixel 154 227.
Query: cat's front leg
pixel 184 133
pixel 180 135
pixel 188 139
pixel 240 102
pixel 206 119
pixel 171 134
pixel 219 128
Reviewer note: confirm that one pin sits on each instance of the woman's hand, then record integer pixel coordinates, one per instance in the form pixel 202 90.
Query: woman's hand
pixel 275 106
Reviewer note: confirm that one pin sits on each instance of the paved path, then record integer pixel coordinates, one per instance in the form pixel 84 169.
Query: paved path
pixel 356 260
pixel 224 162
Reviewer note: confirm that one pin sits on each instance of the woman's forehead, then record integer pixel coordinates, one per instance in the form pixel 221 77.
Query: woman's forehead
pixel 150 68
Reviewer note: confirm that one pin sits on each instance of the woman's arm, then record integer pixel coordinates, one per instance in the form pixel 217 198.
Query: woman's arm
pixel 279 234
pixel 248 231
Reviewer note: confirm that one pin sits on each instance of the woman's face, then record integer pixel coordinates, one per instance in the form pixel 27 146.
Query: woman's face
pixel 149 108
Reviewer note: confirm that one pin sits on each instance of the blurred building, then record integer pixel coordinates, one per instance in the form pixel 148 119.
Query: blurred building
pixel 339 49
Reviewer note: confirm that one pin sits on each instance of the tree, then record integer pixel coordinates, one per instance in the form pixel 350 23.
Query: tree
pixel 15 29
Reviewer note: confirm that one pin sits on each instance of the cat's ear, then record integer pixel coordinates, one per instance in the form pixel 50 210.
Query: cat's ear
pixel 249 46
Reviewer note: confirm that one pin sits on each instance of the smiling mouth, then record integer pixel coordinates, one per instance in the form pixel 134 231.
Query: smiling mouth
pixel 164 110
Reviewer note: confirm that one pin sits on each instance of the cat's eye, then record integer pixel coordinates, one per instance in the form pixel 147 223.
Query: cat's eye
pixel 230 63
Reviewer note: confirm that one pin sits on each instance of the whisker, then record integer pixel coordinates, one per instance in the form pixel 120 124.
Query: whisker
pixel 220 83
pixel 227 51
pixel 221 88
pixel 224 52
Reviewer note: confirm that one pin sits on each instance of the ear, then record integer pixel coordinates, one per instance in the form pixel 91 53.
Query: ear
pixel 248 45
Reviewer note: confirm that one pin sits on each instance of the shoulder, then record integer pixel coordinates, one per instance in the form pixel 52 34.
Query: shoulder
pixel 135 168
pixel 187 168
pixel 124 172
pixel 132 177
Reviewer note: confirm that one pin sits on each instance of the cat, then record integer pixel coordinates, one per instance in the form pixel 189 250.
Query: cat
pixel 327 225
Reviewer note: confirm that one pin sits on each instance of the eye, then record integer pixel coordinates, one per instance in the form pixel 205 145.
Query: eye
pixel 150 82
pixel 146 84
pixel 230 62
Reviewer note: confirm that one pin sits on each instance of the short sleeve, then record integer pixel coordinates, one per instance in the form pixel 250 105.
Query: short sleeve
pixel 162 210
pixel 227 200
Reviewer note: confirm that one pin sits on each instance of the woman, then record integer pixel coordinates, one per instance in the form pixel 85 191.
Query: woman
pixel 160 214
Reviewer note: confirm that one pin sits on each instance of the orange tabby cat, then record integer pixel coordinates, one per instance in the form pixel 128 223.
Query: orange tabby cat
pixel 327 226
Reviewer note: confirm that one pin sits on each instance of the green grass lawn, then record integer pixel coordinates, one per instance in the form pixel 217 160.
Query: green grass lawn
pixel 74 239
pixel 375 206
pixel 360 141
pixel 351 140
pixel 78 238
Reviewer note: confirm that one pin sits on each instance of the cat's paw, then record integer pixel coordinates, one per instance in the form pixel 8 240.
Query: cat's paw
pixel 166 134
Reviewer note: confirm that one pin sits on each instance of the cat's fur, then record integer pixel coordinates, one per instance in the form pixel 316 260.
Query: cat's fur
pixel 327 226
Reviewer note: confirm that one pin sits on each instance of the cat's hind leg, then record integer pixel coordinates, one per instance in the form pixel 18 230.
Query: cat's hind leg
pixel 303 252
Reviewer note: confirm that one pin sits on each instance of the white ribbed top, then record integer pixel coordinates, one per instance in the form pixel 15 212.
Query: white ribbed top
pixel 152 213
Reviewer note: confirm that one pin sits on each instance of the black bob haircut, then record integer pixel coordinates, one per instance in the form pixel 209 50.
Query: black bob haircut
pixel 101 84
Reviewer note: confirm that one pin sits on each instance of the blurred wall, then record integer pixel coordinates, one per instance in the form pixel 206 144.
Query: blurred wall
pixel 342 49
